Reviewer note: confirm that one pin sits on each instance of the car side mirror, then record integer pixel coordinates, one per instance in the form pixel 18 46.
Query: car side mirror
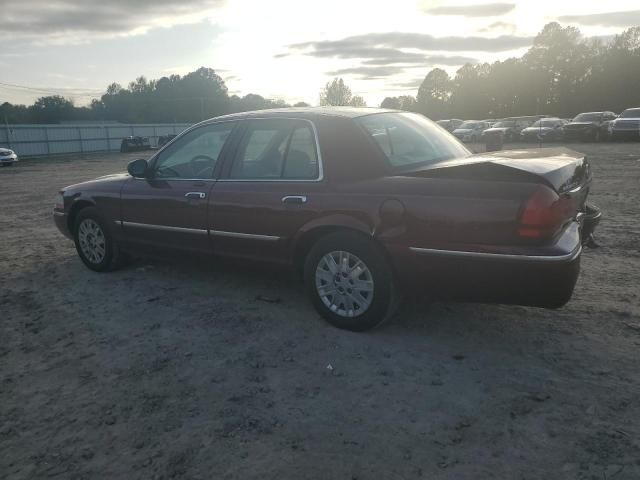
pixel 138 168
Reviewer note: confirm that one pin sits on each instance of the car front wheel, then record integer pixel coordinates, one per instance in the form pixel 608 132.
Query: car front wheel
pixel 94 243
pixel 349 281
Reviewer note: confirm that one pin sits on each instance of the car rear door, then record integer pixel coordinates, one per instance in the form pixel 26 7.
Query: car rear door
pixel 267 191
pixel 168 208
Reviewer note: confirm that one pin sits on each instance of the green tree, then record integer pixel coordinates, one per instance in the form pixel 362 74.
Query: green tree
pixel 391 102
pixel 357 101
pixel 434 93
pixel 335 94
pixel 408 103
pixel 52 109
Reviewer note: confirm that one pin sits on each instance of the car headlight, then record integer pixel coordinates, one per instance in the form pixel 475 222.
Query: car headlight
pixel 59 202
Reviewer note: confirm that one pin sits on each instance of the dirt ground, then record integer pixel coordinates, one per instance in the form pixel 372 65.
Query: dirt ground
pixel 185 370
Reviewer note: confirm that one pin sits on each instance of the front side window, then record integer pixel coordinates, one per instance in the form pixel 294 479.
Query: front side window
pixel 408 139
pixel 195 154
pixel 274 149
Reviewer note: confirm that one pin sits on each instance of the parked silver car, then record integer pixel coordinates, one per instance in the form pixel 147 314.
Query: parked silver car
pixel 626 126
pixel 7 157
pixel 470 131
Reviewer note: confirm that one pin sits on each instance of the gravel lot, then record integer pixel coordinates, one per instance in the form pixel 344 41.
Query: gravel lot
pixel 187 370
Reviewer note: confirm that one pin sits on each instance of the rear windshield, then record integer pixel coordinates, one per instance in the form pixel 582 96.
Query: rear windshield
pixel 631 113
pixel 409 140
pixel 588 117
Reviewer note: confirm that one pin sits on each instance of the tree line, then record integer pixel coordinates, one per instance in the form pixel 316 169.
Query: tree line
pixel 561 74
pixel 175 99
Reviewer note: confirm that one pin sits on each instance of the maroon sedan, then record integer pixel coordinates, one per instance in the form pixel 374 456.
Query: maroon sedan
pixel 366 204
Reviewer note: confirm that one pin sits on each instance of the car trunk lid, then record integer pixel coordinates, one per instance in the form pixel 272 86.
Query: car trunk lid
pixel 562 169
pixel 563 176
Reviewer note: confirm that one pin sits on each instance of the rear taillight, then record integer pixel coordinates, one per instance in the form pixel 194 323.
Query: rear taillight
pixel 545 213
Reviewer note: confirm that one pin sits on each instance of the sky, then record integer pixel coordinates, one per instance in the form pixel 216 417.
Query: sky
pixel 280 49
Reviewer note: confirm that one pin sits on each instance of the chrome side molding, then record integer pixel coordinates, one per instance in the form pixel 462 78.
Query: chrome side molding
pixel 165 228
pixel 249 236
pixel 218 233
pixel 499 256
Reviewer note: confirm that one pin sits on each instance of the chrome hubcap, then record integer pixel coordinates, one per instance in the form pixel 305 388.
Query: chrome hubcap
pixel 92 241
pixel 344 284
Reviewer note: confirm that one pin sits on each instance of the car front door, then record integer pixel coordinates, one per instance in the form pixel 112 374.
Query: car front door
pixel 267 191
pixel 168 208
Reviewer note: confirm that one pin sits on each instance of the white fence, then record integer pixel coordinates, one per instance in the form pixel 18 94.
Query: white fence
pixel 36 140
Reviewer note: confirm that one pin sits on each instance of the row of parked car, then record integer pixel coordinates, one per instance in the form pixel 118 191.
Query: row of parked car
pixel 590 126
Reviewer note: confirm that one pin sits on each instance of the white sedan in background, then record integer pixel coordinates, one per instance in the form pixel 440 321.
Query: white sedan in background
pixel 7 157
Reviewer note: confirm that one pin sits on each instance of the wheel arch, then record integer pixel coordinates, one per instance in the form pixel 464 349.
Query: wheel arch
pixel 314 231
pixel 78 204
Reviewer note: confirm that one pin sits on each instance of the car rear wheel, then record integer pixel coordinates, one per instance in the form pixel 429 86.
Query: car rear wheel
pixel 349 281
pixel 94 242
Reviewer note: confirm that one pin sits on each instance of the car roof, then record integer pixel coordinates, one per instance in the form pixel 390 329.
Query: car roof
pixel 345 112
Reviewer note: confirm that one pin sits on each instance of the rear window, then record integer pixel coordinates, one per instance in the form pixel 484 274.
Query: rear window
pixel 409 140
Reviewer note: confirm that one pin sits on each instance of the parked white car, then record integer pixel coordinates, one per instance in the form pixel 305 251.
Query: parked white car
pixel 7 157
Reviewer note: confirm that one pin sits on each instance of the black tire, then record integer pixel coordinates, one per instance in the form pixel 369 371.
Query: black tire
pixel 112 258
pixel 384 301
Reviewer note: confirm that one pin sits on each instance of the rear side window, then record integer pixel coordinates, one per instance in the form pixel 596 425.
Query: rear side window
pixel 301 161
pixel 409 139
pixel 274 149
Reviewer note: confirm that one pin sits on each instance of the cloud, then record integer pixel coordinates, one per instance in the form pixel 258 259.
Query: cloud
pixel 361 46
pixel 375 69
pixel 411 58
pixel 607 19
pixel 504 26
pixel 409 84
pixel 385 54
pixel 73 19
pixel 482 10
pixel 369 73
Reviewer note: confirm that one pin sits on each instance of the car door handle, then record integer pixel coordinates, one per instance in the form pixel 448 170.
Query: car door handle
pixel 199 195
pixel 294 199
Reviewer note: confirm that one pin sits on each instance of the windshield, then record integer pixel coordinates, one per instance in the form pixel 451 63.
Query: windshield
pixel 469 124
pixel 631 113
pixel 505 124
pixel 588 117
pixel 408 139
pixel 545 124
